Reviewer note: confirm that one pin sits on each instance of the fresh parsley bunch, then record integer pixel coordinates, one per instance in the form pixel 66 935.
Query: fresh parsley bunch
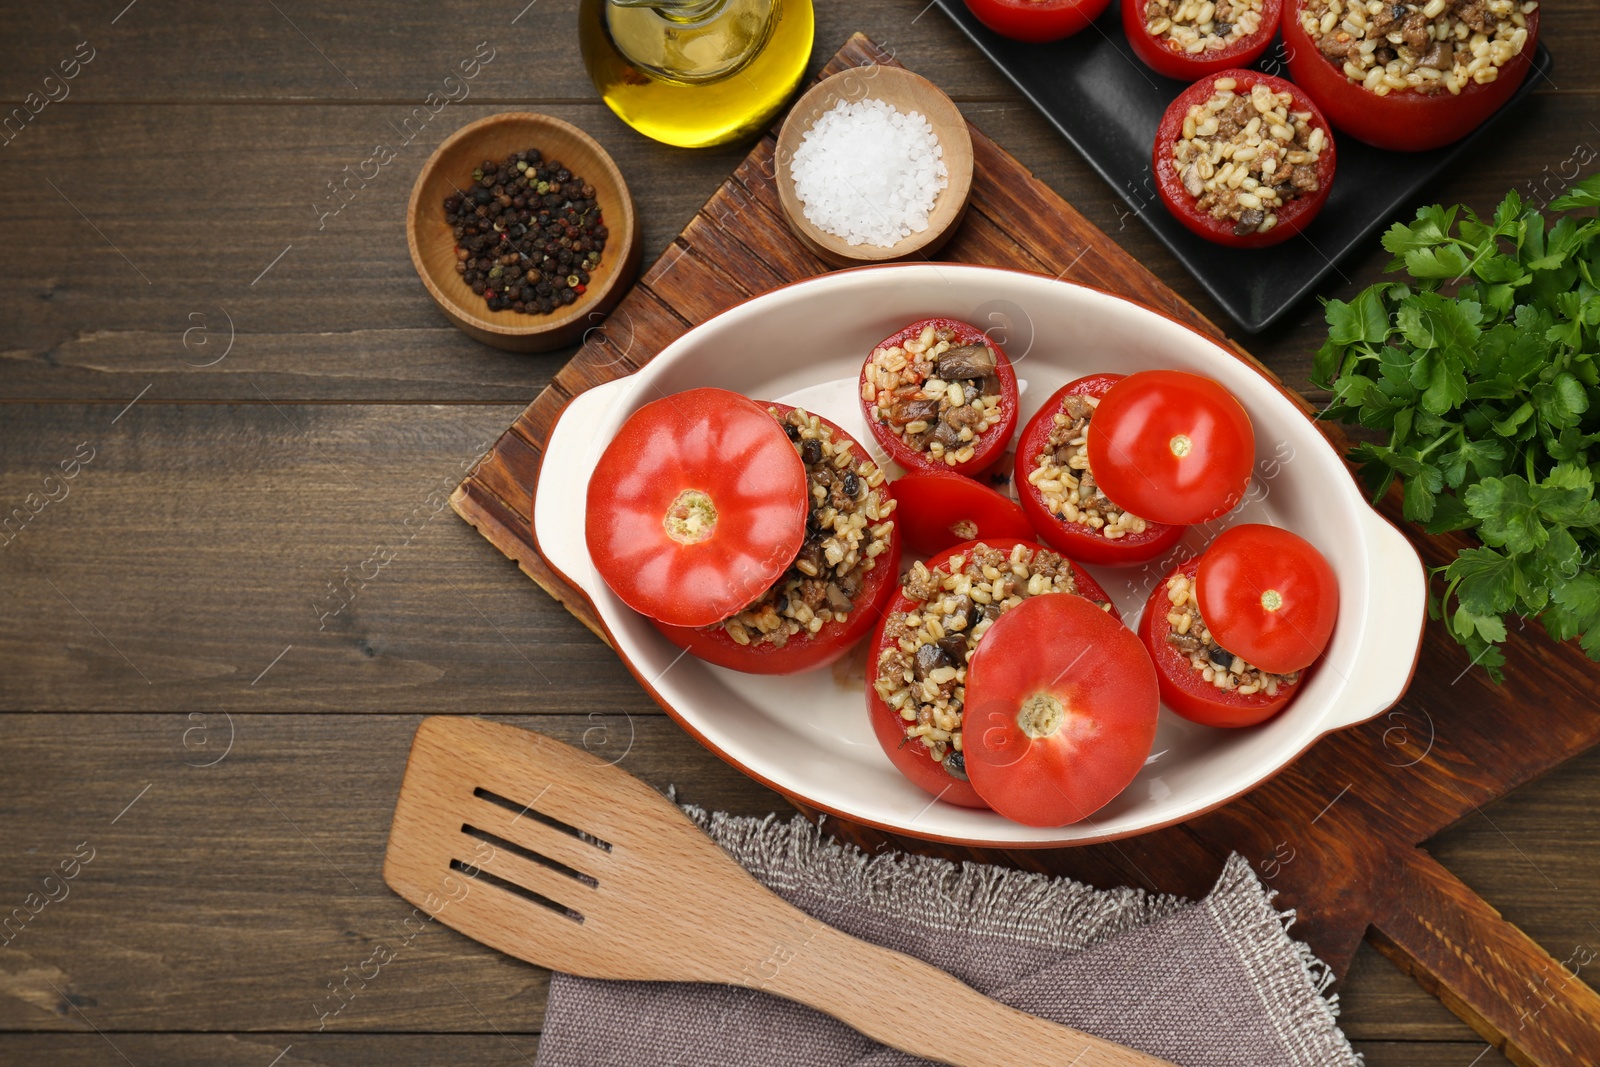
pixel 1491 397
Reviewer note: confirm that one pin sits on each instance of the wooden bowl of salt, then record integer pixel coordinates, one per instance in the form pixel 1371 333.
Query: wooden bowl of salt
pixel 874 164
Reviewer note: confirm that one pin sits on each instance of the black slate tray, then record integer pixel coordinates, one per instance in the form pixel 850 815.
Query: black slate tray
pixel 1107 104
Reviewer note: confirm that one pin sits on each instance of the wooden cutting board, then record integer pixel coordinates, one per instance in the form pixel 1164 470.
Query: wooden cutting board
pixel 1336 834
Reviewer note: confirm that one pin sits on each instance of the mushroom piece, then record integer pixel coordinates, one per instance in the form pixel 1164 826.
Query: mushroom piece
pixel 903 410
pixel 966 361
pixel 1441 56
pixel 948 436
pixel 928 658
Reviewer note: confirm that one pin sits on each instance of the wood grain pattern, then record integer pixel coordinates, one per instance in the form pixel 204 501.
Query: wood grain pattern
pixel 598 914
pixel 246 879
pixel 303 336
pixel 1361 869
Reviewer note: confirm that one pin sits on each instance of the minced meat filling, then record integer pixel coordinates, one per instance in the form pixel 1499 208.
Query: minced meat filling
pixel 1196 26
pixel 1431 47
pixel 1188 634
pixel 922 670
pixel 1244 156
pixel 1062 476
pixel 937 396
pixel 847 528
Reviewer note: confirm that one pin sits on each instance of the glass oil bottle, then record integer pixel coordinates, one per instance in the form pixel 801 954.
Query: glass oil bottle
pixel 695 73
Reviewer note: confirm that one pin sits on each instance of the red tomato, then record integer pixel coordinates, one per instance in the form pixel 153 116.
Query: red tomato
pixel 911 756
pixel 1165 56
pixel 1404 120
pixel 1268 595
pixel 1037 20
pixel 989 447
pixel 938 509
pixel 1294 216
pixel 1082 543
pixel 804 650
pixel 1184 689
pixel 1063 703
pixel 1171 446
pixel 696 506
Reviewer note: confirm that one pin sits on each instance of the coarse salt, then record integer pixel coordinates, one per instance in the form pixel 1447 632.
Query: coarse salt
pixel 869 173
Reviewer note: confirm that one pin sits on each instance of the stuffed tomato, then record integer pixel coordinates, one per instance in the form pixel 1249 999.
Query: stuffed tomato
pixel 1410 76
pixel 939 395
pixel 1233 631
pixel 1244 159
pixel 1172 445
pixel 916 671
pixel 1058 490
pixel 1199 679
pixel 1062 702
pixel 695 507
pixel 834 589
pixel 1037 20
pixel 1188 39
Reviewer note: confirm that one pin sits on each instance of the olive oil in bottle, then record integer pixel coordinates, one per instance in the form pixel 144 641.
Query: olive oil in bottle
pixel 694 73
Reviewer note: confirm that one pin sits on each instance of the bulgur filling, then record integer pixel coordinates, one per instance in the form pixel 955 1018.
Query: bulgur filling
pixel 847 528
pixel 1062 476
pixel 922 670
pixel 1431 47
pixel 1196 26
pixel 1244 156
pixel 937 396
pixel 1189 635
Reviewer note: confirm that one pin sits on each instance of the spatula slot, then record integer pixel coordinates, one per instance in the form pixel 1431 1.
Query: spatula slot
pixel 538 816
pixel 529 854
pixel 517 890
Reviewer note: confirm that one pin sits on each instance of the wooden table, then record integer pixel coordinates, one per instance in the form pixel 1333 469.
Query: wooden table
pixel 219 636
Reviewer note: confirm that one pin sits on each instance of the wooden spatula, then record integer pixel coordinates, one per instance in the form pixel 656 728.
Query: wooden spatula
pixel 557 858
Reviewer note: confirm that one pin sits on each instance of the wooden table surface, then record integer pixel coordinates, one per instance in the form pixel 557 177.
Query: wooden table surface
pixel 219 634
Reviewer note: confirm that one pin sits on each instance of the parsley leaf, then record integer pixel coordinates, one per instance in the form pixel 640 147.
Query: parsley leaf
pixel 1483 369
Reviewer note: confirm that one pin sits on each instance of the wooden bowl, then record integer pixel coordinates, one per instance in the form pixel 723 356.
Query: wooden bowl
pixel 433 244
pixel 905 92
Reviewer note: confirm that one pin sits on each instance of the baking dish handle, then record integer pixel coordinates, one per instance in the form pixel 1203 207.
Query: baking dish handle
pixel 1397 609
pixel 564 480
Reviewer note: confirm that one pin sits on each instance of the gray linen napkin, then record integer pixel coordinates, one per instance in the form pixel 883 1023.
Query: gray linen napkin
pixel 1216 983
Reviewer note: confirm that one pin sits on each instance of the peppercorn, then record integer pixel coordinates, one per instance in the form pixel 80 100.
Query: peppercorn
pixel 527 233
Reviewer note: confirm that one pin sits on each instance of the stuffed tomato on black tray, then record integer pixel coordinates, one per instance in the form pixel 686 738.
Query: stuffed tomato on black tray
pixel 1244 159
pixel 1410 76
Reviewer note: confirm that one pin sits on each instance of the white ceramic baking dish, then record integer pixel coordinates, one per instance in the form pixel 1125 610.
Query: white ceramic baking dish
pixel 808 735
